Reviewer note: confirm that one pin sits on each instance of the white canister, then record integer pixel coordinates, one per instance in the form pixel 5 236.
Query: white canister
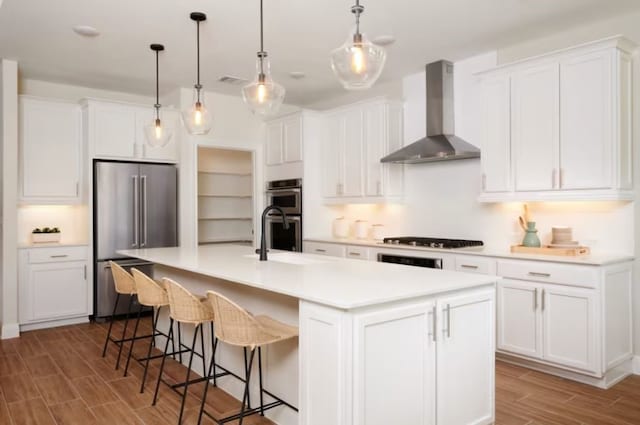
pixel 340 228
pixel 361 229
pixel 377 232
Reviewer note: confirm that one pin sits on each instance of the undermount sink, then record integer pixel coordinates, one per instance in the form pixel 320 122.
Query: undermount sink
pixel 285 257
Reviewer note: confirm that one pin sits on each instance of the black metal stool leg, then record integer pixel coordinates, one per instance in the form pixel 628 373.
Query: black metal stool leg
pixel 135 333
pixel 124 332
pixel 246 387
pixel 166 346
pixel 154 323
pixel 214 341
pixel 260 379
pixel 179 342
pixel 204 362
pixel 246 375
pixel 106 341
pixel 186 384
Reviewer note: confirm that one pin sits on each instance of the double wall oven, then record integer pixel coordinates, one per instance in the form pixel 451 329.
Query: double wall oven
pixel 286 194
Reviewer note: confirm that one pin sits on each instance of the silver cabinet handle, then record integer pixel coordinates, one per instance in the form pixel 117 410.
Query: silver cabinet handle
pixel 448 321
pixel 59 256
pixel 77 188
pixel 144 213
pixel 553 178
pixel 434 326
pixel 484 181
pixel 354 254
pixel 535 299
pixel 561 178
pixel 136 212
pixel 537 274
pixel 542 298
pixel 320 250
pixel 85 272
pixel 469 266
pixel 379 188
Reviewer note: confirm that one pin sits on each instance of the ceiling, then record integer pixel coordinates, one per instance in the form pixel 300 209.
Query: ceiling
pixel 298 36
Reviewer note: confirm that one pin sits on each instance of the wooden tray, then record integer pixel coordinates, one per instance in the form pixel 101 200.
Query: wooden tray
pixel 545 250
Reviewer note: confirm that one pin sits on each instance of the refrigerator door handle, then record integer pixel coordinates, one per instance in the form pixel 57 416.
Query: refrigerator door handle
pixel 144 214
pixel 136 212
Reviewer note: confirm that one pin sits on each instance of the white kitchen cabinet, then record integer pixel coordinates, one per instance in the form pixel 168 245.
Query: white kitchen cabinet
pixel 466 324
pixel 570 119
pixel 320 248
pixel 357 137
pixel 561 317
pixel 518 318
pixel 284 140
pixel 54 288
pixel 535 106
pixel 116 131
pixel 50 151
pixel 496 134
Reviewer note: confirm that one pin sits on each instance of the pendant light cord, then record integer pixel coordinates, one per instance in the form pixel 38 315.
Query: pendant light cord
pixel 357 10
pixel 262 53
pixel 157 105
pixel 198 85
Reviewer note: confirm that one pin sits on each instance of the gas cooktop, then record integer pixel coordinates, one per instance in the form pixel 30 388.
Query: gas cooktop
pixel 431 242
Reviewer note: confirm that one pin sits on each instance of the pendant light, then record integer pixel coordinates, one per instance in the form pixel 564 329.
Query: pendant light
pixel 156 133
pixel 197 118
pixel 358 62
pixel 263 95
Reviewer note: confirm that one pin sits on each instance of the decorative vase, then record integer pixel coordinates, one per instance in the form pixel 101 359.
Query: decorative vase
pixel 531 238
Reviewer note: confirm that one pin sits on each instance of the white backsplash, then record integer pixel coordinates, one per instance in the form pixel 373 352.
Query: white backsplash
pixel 70 219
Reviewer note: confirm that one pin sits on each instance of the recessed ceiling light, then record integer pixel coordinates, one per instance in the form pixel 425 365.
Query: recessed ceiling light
pixel 86 31
pixel 384 40
pixel 297 75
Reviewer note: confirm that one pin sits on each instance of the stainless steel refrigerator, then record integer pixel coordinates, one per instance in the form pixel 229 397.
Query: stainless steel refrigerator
pixel 135 206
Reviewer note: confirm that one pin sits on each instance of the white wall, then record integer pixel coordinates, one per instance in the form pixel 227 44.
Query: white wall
pixel 9 138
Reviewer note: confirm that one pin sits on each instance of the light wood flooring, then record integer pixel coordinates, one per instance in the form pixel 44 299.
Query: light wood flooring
pixel 58 377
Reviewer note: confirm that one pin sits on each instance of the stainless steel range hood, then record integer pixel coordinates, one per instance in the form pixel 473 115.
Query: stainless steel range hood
pixel 440 144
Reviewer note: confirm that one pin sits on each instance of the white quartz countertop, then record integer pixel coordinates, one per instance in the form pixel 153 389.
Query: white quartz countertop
pixel 336 282
pixel 593 259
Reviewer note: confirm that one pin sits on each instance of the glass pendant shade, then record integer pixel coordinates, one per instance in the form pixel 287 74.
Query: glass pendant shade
pixel 157 133
pixel 197 118
pixel 263 95
pixel 358 62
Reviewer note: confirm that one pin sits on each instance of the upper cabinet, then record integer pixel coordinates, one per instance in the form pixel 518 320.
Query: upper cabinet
pixel 50 151
pixel 284 140
pixel 357 137
pixel 558 127
pixel 116 131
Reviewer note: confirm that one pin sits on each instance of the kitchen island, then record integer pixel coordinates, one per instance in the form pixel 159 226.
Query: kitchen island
pixel 379 343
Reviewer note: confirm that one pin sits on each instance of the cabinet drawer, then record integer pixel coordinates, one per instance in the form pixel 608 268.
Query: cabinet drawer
pixel 563 274
pixel 472 264
pixel 333 250
pixel 358 252
pixel 52 255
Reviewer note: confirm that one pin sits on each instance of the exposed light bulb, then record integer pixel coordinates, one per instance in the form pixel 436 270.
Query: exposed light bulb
pixel 197 117
pixel 158 130
pixel 262 93
pixel 358 61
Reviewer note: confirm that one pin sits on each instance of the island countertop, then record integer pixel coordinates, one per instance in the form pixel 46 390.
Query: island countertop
pixel 335 282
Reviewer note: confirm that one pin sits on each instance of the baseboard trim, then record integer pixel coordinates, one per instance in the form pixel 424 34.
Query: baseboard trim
pixel 54 323
pixel 636 365
pixel 11 330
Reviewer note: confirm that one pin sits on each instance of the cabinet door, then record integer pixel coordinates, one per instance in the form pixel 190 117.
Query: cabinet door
pixel 274 143
pixel 352 161
pixel 171 122
pixel 586 131
pixel 536 127
pixel 113 130
pixel 394 181
pixel 496 134
pixel 375 140
pixel 519 324
pixel 50 150
pixel 465 353
pixel 57 290
pixel 292 140
pixel 332 157
pixel 395 357
pixel 330 249
pixel 570 327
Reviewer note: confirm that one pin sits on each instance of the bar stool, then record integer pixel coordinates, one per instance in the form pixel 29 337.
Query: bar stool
pixel 186 308
pixel 150 294
pixel 124 285
pixel 236 326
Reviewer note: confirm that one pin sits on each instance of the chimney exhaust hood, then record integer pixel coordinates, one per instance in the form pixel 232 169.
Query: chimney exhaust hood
pixel 440 144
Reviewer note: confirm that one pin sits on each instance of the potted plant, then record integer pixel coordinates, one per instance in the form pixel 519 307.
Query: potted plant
pixel 45 235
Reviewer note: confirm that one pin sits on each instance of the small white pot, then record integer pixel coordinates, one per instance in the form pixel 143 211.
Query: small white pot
pixel 45 237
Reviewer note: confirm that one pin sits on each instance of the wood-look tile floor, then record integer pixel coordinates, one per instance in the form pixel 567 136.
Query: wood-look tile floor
pixel 58 377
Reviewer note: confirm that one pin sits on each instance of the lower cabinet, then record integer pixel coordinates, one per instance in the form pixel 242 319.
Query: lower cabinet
pixel 436 354
pixel 53 285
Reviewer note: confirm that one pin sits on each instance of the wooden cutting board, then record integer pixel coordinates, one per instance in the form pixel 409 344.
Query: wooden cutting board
pixel 545 250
